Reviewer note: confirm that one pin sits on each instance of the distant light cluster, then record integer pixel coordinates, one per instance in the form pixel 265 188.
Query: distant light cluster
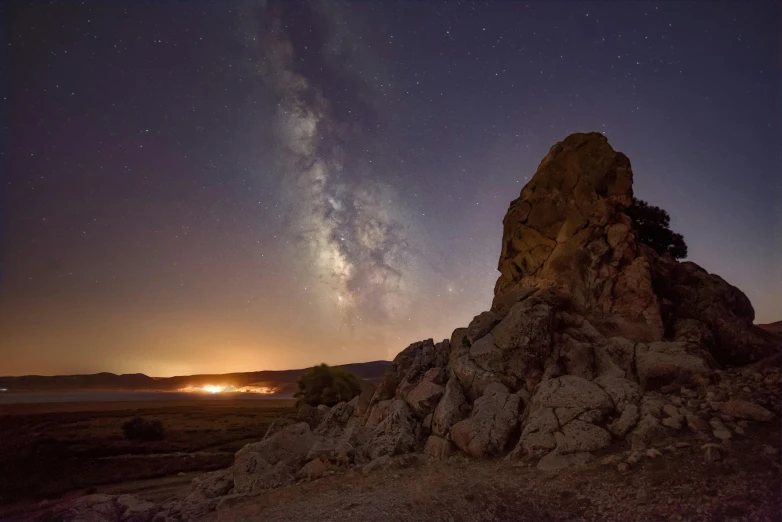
pixel 227 388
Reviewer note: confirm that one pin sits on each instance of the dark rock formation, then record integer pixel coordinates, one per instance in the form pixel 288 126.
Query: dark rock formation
pixel 587 331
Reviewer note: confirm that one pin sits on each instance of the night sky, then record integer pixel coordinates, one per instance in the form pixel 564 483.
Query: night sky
pixel 193 187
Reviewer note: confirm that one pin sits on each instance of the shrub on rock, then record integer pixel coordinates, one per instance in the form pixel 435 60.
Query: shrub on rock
pixel 652 224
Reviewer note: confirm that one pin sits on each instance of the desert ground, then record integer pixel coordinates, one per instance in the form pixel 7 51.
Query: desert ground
pixel 58 450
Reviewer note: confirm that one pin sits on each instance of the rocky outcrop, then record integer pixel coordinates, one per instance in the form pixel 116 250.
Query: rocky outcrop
pixel 273 461
pixel 486 431
pixel 590 337
pixel 568 230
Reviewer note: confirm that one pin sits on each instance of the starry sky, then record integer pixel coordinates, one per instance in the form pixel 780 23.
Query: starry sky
pixel 203 187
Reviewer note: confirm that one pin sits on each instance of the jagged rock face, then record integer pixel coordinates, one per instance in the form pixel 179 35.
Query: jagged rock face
pixel 702 308
pixel 494 417
pixel 409 368
pixel 273 461
pixel 568 230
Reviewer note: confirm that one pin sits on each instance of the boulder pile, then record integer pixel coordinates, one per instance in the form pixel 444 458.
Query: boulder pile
pixel 593 345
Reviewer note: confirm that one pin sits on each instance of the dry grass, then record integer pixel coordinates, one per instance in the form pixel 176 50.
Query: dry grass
pixel 48 450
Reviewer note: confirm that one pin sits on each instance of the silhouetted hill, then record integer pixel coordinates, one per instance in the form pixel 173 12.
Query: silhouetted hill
pixel 775 328
pixel 283 381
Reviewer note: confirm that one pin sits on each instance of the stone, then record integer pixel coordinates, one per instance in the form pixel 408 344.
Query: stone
pixel 99 508
pixel 364 399
pixel 578 436
pixel 333 423
pixel 513 353
pixel 272 461
pixel 566 223
pixel 648 430
pixel 623 392
pixel 670 410
pixel 556 461
pixel 424 397
pixel 697 424
pixel 745 410
pixel 663 363
pixel 397 432
pixel 653 453
pixel 382 462
pixel 610 460
pixel 487 430
pixel 310 414
pixel 334 450
pixel 436 375
pixel 673 422
pixel 452 408
pixel 312 470
pixel 572 392
pixel 426 424
pixel 722 312
pixel 481 325
pixel 614 357
pixel 770 450
pixel 438 448
pixel 626 421
pixel 711 452
pixel 281 422
pixel 408 368
pixel 213 484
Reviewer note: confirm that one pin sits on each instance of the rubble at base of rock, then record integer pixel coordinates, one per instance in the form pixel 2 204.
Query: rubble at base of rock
pixel 594 343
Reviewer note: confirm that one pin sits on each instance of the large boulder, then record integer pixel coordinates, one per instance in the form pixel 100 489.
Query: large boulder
pixel 438 448
pixel 274 460
pixel 564 414
pixel 312 415
pixel 705 309
pixel 486 431
pixel 423 398
pixel 452 408
pixel 662 363
pixel 214 484
pixel 514 351
pixel 394 429
pixel 333 423
pixel 409 367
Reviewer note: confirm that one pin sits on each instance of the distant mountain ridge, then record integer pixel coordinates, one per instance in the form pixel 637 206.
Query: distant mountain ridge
pixel 775 328
pixel 283 381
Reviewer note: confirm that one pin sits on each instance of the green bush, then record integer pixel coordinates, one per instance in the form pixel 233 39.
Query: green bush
pixel 141 429
pixel 653 226
pixel 326 385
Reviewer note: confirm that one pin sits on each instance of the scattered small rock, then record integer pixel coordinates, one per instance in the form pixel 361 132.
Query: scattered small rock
pixel 770 450
pixel 746 410
pixel 711 453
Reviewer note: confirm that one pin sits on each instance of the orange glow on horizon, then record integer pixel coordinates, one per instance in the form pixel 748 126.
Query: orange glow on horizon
pixel 227 388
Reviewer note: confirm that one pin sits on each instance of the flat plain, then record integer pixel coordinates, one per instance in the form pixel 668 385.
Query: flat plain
pixel 62 449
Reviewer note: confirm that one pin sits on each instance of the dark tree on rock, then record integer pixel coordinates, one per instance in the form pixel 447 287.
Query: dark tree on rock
pixel 326 385
pixel 653 226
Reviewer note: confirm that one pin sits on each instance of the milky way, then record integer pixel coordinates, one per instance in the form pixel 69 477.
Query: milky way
pixel 343 215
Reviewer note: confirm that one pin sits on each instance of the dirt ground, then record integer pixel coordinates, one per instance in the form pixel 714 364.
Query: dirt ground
pixel 50 450
pixel 677 485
